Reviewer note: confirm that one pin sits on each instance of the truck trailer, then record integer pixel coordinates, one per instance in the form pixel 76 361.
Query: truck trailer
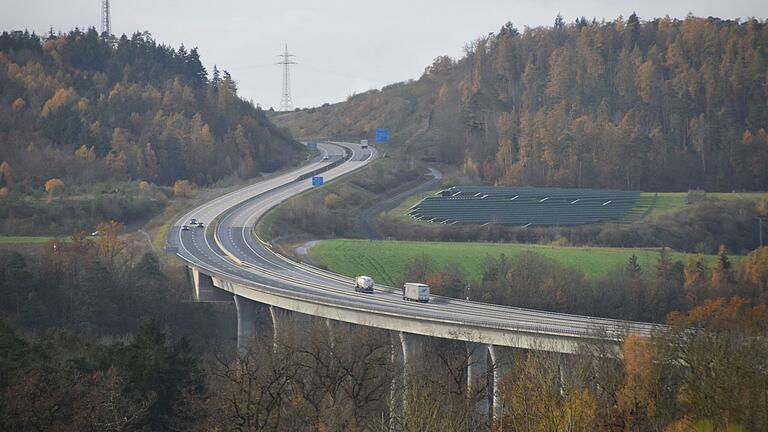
pixel 364 284
pixel 416 292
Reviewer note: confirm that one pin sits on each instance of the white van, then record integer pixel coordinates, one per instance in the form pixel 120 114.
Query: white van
pixel 416 292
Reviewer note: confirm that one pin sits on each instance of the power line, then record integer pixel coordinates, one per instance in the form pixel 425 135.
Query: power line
pixel 286 102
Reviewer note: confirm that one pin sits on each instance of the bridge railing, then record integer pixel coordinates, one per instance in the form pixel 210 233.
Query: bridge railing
pixel 600 331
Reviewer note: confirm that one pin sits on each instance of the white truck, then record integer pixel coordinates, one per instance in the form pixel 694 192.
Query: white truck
pixel 364 284
pixel 416 292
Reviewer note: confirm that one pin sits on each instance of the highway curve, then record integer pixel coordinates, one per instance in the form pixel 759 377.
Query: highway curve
pixel 232 252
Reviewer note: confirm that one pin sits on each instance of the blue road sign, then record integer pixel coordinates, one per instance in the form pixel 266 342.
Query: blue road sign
pixel 382 135
pixel 312 146
pixel 317 181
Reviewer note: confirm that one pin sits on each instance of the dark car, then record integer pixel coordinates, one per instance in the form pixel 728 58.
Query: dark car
pixel 184 228
pixel 200 225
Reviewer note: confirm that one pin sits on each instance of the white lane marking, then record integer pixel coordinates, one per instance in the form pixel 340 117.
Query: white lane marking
pixel 246 190
pixel 275 199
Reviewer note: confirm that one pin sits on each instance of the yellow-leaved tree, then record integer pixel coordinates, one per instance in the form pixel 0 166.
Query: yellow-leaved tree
pixel 86 153
pixel 332 200
pixel 636 401
pixel 536 398
pixel 720 347
pixel 54 187
pixel 183 188
pixel 6 179
pixel 109 242
pixel 753 274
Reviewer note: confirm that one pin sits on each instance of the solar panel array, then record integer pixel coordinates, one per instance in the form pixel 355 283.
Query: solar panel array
pixel 524 206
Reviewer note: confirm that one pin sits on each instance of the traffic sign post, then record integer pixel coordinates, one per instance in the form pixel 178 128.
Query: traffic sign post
pixel 382 135
pixel 317 181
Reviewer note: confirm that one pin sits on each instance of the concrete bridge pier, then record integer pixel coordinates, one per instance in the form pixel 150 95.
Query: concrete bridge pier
pixel 396 387
pixel 278 316
pixel 406 350
pixel 204 290
pixel 562 376
pixel 411 346
pixel 339 335
pixel 287 326
pixel 246 323
pixel 569 374
pixel 477 375
pixel 331 333
pixel 501 360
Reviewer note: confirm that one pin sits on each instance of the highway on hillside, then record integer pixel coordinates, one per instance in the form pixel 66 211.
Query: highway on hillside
pixel 230 252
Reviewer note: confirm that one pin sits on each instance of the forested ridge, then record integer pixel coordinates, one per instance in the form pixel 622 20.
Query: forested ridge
pixel 663 104
pixel 98 334
pixel 68 364
pixel 83 109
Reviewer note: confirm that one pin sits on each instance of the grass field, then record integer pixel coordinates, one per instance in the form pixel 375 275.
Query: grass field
pixel 401 211
pixel 673 201
pixel 386 261
pixel 11 240
pixel 668 201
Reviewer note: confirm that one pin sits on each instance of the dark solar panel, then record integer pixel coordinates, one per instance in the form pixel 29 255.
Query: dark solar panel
pixel 524 205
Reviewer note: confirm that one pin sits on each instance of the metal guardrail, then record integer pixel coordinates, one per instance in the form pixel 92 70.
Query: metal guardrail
pixel 617 332
pixel 347 156
pixel 602 330
pixel 644 328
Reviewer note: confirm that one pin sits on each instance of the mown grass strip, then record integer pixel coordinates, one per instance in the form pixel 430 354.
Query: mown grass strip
pixel 27 240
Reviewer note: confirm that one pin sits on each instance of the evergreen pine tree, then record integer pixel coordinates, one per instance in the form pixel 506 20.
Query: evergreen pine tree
pixel 633 267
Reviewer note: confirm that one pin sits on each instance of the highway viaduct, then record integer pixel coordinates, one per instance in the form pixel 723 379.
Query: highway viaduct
pixel 227 261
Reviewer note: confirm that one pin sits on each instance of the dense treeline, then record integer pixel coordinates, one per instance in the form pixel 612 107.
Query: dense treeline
pixel 81 209
pixel 63 381
pixel 661 105
pixel 101 286
pixel 67 363
pixel 701 227
pixel 83 109
pixel 531 280
pixel 706 371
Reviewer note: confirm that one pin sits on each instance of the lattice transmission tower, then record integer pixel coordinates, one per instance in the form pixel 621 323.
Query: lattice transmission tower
pixel 106 19
pixel 286 103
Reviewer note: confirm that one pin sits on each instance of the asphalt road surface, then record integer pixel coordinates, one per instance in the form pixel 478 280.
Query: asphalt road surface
pixel 232 251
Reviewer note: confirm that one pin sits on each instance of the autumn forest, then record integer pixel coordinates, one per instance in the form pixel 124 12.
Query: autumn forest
pixel 657 105
pixel 83 109
pixel 106 141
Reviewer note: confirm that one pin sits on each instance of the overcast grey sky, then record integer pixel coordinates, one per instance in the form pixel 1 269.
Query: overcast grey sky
pixel 342 47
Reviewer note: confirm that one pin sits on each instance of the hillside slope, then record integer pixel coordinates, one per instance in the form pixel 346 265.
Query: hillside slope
pixel 82 109
pixel 654 105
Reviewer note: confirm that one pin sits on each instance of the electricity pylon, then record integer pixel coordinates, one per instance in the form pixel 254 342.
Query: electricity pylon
pixel 286 103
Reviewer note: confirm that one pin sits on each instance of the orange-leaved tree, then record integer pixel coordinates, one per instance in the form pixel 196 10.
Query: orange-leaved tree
pixel 183 188
pixel 109 242
pixel 6 179
pixel 719 351
pixel 753 275
pixel 636 399
pixel 54 187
